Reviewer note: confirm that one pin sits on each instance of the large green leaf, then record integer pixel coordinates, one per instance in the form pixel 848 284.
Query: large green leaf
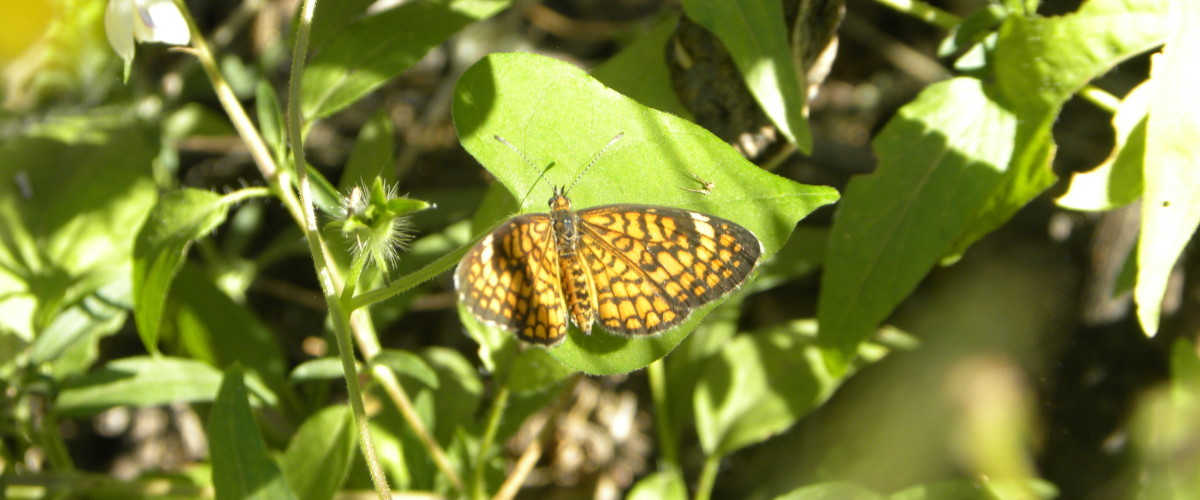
pixel 319 456
pixel 1170 207
pixel 180 217
pixel 755 34
pixel 241 466
pixel 565 118
pixel 1039 63
pixel 939 159
pixel 372 50
pixel 758 385
pixel 74 189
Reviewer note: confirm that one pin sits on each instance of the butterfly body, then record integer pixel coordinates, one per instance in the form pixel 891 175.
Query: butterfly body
pixel 632 269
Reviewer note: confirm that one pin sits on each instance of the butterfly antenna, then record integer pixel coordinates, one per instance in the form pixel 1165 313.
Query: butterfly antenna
pixel 594 159
pixel 541 172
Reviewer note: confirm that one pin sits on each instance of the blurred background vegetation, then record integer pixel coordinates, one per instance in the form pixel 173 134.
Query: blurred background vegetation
pixel 1019 371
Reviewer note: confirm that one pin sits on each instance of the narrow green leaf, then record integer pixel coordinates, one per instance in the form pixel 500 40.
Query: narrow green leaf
pixel 372 153
pixel 326 198
pixel 318 458
pixel 408 364
pixel 372 50
pixel 1118 180
pixel 831 491
pixel 139 381
pixel 565 118
pixel 754 33
pixel 659 486
pixel 640 70
pixel 1170 207
pixel 329 368
pixel 940 158
pixel 82 324
pixel 241 466
pixel 757 386
pixel 180 217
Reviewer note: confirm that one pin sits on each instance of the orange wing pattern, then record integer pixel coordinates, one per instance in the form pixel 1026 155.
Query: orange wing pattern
pixel 510 279
pixel 652 265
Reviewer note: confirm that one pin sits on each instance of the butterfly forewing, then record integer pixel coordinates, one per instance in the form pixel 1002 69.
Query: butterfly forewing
pixel 653 265
pixel 510 279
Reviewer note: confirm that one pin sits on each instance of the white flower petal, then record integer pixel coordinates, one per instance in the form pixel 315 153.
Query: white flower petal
pixel 161 21
pixel 118 26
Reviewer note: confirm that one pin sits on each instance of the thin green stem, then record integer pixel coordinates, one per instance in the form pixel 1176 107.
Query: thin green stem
pixel 55 448
pixel 245 194
pixel 668 450
pixel 356 269
pixel 708 477
pixel 410 280
pixel 280 181
pixel 499 404
pixel 924 12
pixel 340 317
pixel 1100 98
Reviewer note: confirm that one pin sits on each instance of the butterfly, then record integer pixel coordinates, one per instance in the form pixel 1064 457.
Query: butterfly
pixel 631 269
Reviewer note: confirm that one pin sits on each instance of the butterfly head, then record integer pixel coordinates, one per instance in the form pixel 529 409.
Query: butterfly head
pixel 559 201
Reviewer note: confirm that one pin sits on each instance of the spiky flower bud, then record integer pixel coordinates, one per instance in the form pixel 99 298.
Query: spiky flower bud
pixel 377 220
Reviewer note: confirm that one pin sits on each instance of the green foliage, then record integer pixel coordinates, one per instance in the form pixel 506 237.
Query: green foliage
pixel 979 152
pixel 754 33
pixel 242 468
pixel 118 235
pixel 179 218
pixel 370 51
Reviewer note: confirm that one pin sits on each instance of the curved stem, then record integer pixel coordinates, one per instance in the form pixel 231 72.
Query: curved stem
pixel 708 477
pixel 499 404
pixel 280 181
pixel 668 450
pixel 924 12
pixel 340 317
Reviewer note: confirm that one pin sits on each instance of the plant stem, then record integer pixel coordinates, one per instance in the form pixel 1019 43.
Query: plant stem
pixel 668 451
pixel 924 12
pixel 340 317
pixel 1100 98
pixel 533 452
pixel 708 476
pixel 280 181
pixel 499 404
pixel 391 385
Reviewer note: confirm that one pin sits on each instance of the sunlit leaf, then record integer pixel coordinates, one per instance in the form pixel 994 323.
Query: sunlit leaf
pixel 565 118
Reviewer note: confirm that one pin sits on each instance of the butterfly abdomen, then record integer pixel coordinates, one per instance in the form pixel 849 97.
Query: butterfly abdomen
pixel 576 280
